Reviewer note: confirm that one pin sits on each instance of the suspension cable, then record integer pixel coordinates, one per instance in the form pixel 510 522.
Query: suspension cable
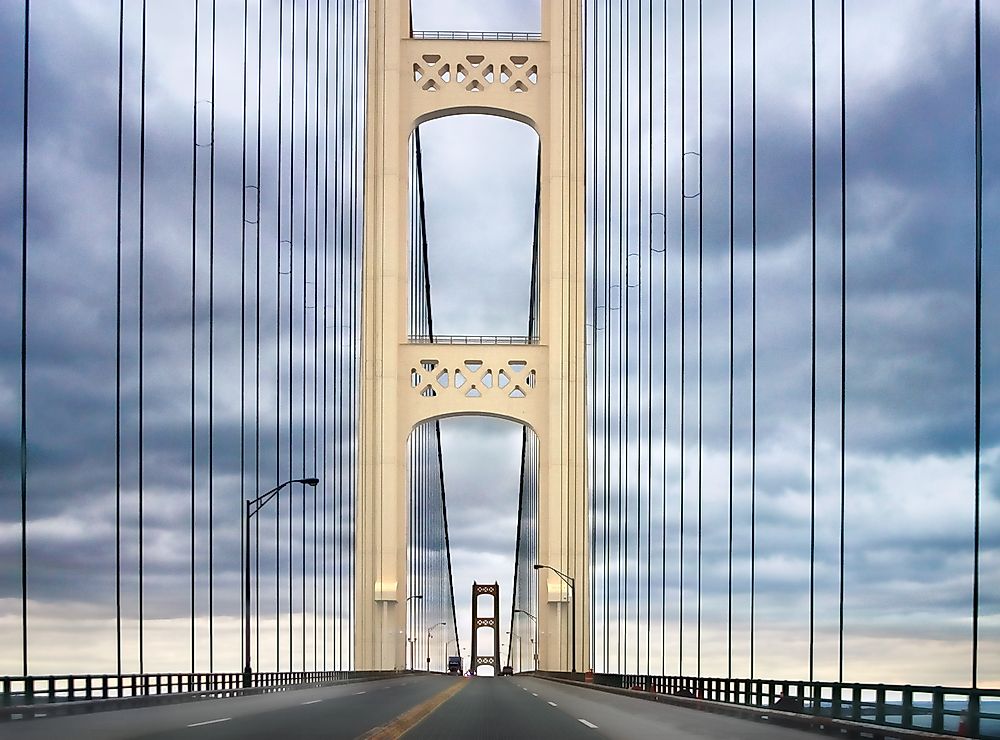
pixel 194 318
pixel 118 346
pixel 211 366
pixel 142 301
pixel 753 343
pixel 843 328
pixel 24 342
pixel 732 314
pixel 812 413
pixel 979 342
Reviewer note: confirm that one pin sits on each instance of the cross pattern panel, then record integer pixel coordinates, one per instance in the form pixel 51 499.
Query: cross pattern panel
pixel 476 72
pixel 474 379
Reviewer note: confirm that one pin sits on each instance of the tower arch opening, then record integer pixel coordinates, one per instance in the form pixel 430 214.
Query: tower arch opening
pixel 474 232
pixel 487 490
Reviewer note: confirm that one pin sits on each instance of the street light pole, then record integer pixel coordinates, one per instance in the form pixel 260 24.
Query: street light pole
pixel 253 507
pixel 439 624
pixel 571 582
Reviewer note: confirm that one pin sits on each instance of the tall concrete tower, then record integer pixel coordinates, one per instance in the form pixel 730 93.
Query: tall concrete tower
pixel 538 383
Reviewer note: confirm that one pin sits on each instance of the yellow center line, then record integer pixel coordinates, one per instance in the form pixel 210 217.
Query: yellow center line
pixel 413 717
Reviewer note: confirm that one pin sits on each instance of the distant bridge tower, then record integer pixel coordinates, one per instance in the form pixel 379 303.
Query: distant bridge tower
pixel 475 659
pixel 541 384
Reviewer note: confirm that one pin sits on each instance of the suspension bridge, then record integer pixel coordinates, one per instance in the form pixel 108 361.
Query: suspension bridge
pixel 749 373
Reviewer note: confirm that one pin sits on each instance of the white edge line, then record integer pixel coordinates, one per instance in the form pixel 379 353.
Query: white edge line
pixel 210 722
pixel 591 725
pixel 314 701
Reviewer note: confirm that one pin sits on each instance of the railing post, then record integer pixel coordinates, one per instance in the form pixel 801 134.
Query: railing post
pixel 52 688
pixel 972 716
pixel 29 690
pixel 880 705
pixel 937 710
pixel 836 700
pixel 907 718
pixel 7 698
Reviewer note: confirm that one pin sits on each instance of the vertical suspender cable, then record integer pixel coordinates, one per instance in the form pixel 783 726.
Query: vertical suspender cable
pixel 315 343
pixel 118 349
pixel 701 294
pixel 979 338
pixel 194 316
pixel 277 346
pixel 625 315
pixel 666 373
pixel 590 37
pixel 257 295
pixel 753 343
pixel 358 173
pixel 243 305
pixel 683 348
pixel 211 367
pixel 305 302
pixel 24 345
pixel 812 413
pixel 843 328
pixel 623 345
pixel 649 345
pixel 142 296
pixel 291 340
pixel 326 328
pixel 607 340
pixel 340 271
pixel 353 293
pixel 639 366
pixel 732 312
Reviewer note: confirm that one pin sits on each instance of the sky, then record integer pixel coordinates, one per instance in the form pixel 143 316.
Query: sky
pixel 910 233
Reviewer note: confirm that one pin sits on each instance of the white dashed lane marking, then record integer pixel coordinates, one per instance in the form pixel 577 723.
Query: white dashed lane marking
pixel 210 722
pixel 359 693
pixel 314 701
pixel 588 724
pixel 553 704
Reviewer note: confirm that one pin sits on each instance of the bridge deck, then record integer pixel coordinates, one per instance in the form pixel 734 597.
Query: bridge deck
pixel 482 708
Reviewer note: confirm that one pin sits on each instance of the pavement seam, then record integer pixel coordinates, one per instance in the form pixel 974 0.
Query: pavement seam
pixel 412 717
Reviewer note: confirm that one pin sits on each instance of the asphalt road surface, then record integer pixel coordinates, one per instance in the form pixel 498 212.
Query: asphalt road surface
pixel 419 707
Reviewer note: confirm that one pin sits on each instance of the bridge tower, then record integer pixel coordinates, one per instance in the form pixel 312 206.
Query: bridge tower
pixel 538 383
pixel 493 659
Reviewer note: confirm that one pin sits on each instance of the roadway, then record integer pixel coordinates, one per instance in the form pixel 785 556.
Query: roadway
pixel 422 707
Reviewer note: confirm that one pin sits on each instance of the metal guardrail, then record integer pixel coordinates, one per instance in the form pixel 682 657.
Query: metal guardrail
pixel 961 712
pixel 475 36
pixel 57 689
pixel 470 339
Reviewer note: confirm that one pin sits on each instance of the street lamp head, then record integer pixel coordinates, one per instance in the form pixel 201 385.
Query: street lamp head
pixel 310 481
pixel 536 566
